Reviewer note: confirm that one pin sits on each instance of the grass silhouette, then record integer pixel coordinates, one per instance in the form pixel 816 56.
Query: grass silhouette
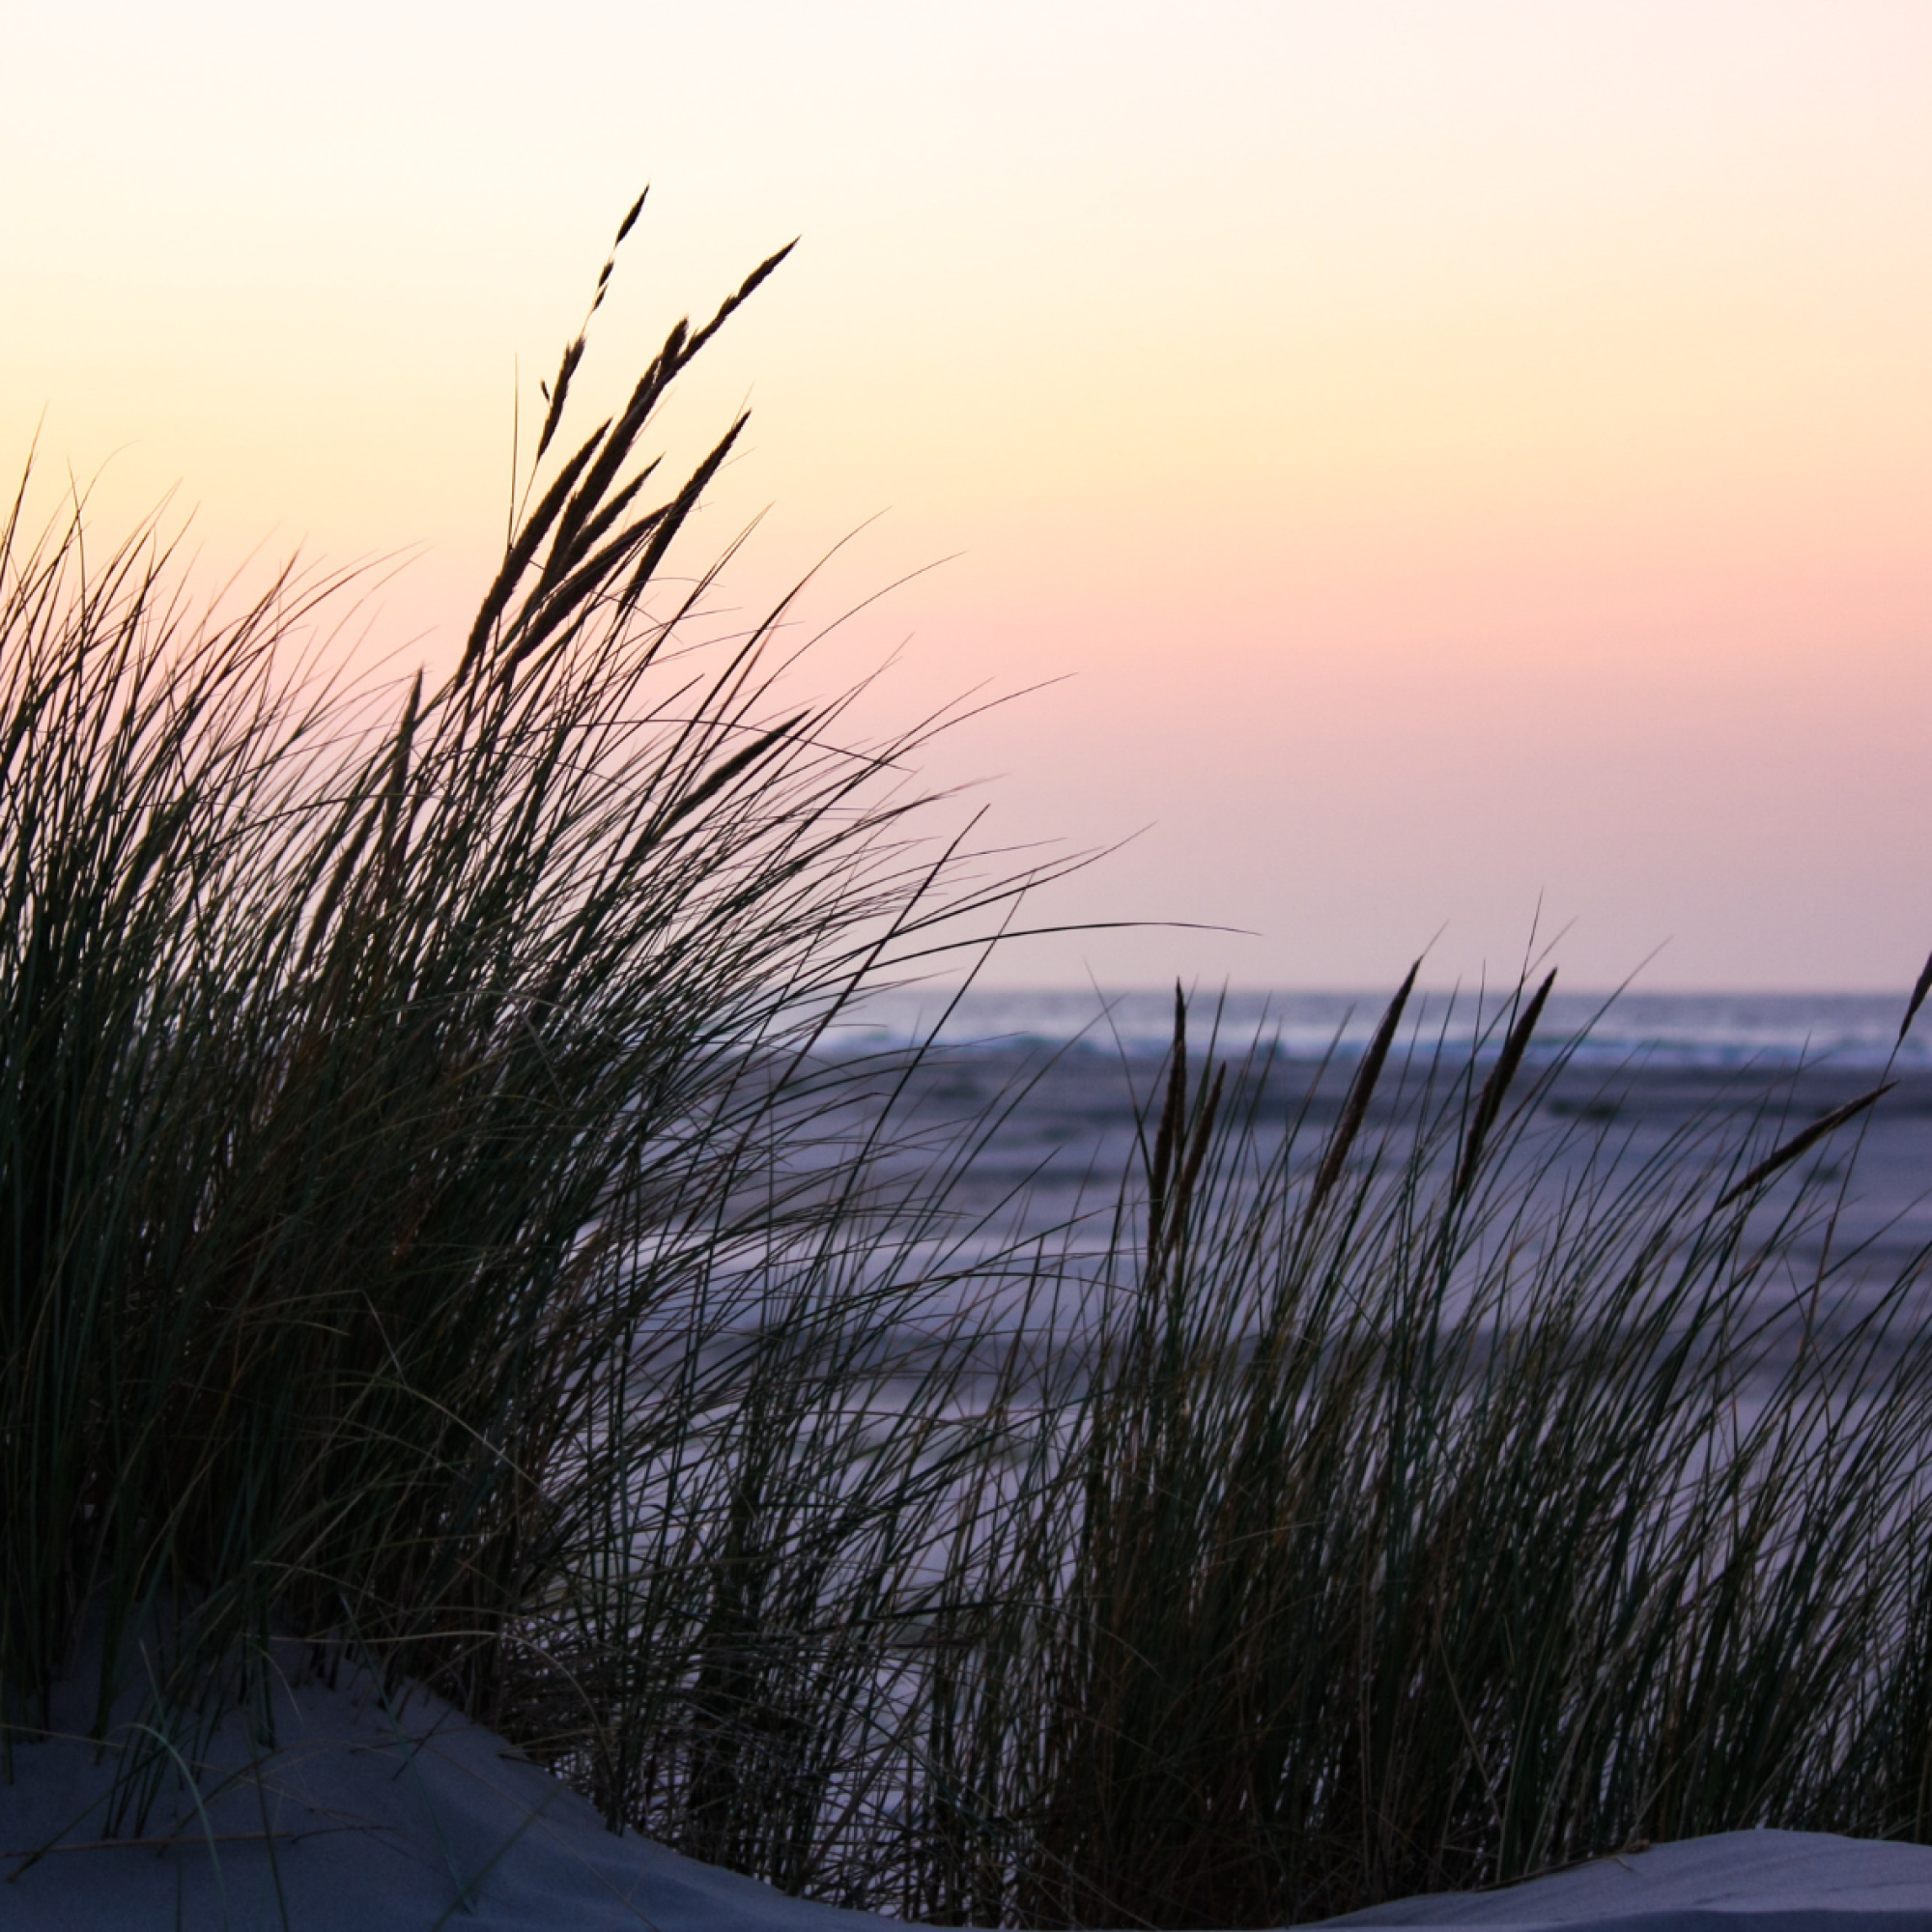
pixel 434 1231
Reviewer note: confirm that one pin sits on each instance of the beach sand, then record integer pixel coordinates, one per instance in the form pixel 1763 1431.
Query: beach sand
pixel 363 1817
pixel 371 1819
pixel 1071 1133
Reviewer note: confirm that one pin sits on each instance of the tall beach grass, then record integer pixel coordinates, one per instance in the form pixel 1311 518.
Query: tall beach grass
pixel 387 1084
pixel 435 1228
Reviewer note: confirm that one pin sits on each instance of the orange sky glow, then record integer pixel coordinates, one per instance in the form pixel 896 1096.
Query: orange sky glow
pixel 1454 456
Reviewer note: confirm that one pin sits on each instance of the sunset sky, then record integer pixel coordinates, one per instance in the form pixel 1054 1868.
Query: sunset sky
pixel 1454 456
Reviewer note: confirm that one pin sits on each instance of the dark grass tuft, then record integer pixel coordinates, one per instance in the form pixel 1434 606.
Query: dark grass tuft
pixel 433 1226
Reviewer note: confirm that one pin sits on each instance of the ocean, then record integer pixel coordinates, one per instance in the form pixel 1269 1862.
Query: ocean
pixel 1710 1031
pixel 1061 1077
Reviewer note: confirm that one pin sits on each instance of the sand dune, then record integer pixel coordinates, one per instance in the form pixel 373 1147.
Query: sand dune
pixel 369 1818
pixel 362 1819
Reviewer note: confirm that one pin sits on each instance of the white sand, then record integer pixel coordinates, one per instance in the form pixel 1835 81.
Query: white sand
pixel 1735 1882
pixel 361 1821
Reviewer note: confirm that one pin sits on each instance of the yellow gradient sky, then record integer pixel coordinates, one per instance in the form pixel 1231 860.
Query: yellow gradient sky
pixel 1456 455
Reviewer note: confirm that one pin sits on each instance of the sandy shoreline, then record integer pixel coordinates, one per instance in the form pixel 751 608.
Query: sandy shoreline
pixel 1070 1132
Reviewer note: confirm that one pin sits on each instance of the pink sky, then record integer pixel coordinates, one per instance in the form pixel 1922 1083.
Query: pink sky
pixel 1455 455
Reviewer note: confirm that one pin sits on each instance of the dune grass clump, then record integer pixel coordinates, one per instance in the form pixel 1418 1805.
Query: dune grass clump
pixel 1434 1500
pixel 389 1085
pixel 434 1229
